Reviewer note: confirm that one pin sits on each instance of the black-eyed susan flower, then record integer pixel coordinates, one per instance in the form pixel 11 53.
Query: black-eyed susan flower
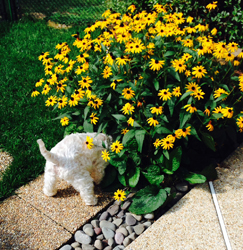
pixel 89 142
pixel 105 155
pixel 120 195
pixel 228 112
pixel 156 64
pixel 239 122
pixel 218 92
pixel 186 131
pixel 167 143
pixel 128 93
pixel 82 57
pixel 94 118
pixel 229 57
pixel 157 143
pixel 64 121
pixel 62 102
pixel 39 83
pixel 128 109
pixel 232 47
pixel 124 131
pixel 51 101
pixel 61 87
pixel 158 110
pixel 212 6
pixel 35 93
pixel 210 126
pixel 130 121
pixel 176 91
pixel 152 121
pixel 189 19
pixel 79 93
pixel 199 94
pixel 218 110
pixel 43 55
pixel 199 71
pixel 179 65
pixel 164 94
pixel 114 83
pixel 190 108
pixel 121 60
pixel 46 90
pixel 207 111
pixel 116 146
pixel 236 63
pixel 73 100
pixel 214 31
pixel 187 43
pixel 107 72
pixel 187 73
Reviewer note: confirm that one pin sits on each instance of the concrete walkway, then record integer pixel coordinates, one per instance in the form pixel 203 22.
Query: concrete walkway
pixel 30 220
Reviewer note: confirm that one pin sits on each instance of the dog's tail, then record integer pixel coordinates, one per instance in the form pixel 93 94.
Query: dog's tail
pixel 49 156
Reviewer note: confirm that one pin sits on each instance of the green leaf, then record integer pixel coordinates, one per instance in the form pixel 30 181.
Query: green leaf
pixel 86 111
pixel 110 176
pixel 102 127
pixel 122 179
pixel 76 113
pixel 208 140
pixel 171 105
pixel 156 85
pixel 140 135
pixel 194 178
pixel 70 129
pixel 61 116
pixel 169 53
pixel 88 127
pixel 186 94
pixel 134 176
pixel 176 158
pixel 194 132
pixel 122 167
pixel 148 200
pixel 222 96
pixel 166 154
pixel 167 171
pixel 154 179
pixel 162 130
pixel 120 117
pixel 184 117
pixel 128 136
pixel 173 73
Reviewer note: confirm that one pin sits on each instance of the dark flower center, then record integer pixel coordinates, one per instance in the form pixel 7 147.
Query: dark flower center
pixel 156 61
pixel 60 101
pixel 128 92
pixel 199 70
pixel 72 99
pixel 184 130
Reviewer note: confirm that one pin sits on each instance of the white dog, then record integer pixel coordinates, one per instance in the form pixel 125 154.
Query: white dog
pixel 72 161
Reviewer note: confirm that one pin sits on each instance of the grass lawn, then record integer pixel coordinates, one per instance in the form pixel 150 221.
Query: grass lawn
pixel 24 119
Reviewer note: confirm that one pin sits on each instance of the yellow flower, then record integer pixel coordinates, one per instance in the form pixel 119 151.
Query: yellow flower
pixel 73 100
pixel 89 142
pixel 218 92
pixel 51 101
pixel 164 94
pixel 62 102
pixel 176 92
pixel 167 143
pixel 107 72
pixel 232 47
pixel 157 143
pixel 130 121
pixel 214 31
pixel 236 63
pixel 158 110
pixel 228 112
pixel 35 93
pixel 39 83
pixel 119 195
pixel 187 73
pixel 199 94
pixel 156 64
pixel 124 131
pixel 179 65
pixel 189 19
pixel 199 71
pixel 207 111
pixel 105 155
pixel 128 93
pixel 186 131
pixel 211 6
pixel 64 121
pixel 128 108
pixel 190 108
pixel 94 118
pixel 210 126
pixel 240 122
pixel 152 121
pixel 116 146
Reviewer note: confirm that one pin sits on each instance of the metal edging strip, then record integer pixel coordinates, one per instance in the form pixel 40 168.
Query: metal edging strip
pixel 220 217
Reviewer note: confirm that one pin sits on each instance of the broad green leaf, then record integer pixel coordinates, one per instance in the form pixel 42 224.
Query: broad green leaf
pixel 167 171
pixel 176 158
pixel 169 53
pixel 222 96
pixel 86 111
pixel 119 117
pixel 166 154
pixel 171 105
pixel 194 178
pixel 88 127
pixel 162 130
pixel 122 167
pixel 156 85
pixel 140 135
pixel 173 73
pixel 102 127
pixel 154 179
pixel 133 178
pixel 70 129
pixel 217 116
pixel 128 136
pixel 186 94
pixel 184 117
pixel 110 176
pixel 76 113
pixel 194 132
pixel 148 200
pixel 208 140
pixel 122 179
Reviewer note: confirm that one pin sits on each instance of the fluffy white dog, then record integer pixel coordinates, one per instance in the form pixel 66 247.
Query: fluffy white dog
pixel 72 161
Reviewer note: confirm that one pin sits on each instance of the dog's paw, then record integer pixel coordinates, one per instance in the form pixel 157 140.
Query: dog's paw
pixel 49 193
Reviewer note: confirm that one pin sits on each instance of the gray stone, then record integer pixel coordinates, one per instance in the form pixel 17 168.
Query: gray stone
pixel 121 214
pixel 119 247
pixel 108 224
pixel 75 244
pixel 137 217
pixel 182 186
pixel 149 216
pixel 88 225
pixel 119 238
pixel 130 195
pixel 110 219
pixel 82 238
pixel 78 248
pixel 66 247
pixel 126 205
pixel 117 202
pixel 138 229
pixel 123 225
pixel 111 242
pixel 108 233
pixel 95 223
pixel 98 244
pixel 108 248
pixel 87 247
pixel 147 224
pixel 97 230
pixel 113 210
pixel 130 220
pixel 100 237
pixel 104 216
pixel 127 241
pixel 89 231
pixel 130 229
pixel 122 230
pixel 132 236
pixel 118 222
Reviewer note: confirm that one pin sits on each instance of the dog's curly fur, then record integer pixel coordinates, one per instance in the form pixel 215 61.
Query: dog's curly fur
pixel 72 161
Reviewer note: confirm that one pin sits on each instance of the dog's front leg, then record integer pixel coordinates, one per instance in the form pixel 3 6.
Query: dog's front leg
pixel 83 183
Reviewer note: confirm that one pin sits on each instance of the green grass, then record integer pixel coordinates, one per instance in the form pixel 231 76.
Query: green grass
pixel 24 119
